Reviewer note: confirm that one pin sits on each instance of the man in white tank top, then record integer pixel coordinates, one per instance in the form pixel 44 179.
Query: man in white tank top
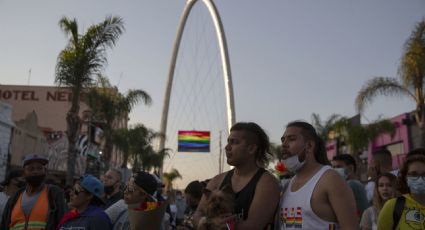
pixel 316 197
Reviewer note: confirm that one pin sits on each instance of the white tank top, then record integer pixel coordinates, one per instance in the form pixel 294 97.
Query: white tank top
pixel 296 211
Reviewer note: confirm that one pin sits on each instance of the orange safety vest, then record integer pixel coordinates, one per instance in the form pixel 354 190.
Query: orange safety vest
pixel 38 215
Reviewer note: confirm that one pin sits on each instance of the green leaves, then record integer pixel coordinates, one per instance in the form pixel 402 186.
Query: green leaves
pixel 85 54
pixel 380 86
pixel 411 83
pixel 136 144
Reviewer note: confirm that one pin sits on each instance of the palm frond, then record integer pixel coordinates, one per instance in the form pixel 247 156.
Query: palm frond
pixel 132 97
pixel 316 121
pixel 70 28
pixel 85 54
pixel 379 86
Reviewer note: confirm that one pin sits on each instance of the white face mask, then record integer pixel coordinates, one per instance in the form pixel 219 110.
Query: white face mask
pixel 342 172
pixel 293 163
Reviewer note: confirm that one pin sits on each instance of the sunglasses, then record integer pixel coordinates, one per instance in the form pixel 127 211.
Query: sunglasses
pixel 77 191
pixel 131 189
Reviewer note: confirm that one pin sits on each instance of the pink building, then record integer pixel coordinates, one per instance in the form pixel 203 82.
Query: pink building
pixel 399 145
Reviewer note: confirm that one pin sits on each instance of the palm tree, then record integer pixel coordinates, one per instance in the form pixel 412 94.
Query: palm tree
pixel 136 144
pixel 411 79
pixel 323 128
pixel 111 107
pixel 170 177
pixel 357 136
pixel 83 57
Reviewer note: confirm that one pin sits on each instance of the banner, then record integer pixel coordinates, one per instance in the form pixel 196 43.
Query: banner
pixel 194 141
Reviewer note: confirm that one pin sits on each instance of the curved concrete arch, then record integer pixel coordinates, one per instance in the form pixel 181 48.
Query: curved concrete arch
pixel 230 105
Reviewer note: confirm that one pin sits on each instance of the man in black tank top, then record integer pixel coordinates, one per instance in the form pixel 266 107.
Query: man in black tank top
pixel 256 190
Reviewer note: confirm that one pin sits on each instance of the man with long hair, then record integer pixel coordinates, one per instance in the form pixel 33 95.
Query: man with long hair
pixel 256 190
pixel 317 197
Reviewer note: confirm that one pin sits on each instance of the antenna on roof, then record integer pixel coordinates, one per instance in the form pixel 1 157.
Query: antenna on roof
pixel 29 76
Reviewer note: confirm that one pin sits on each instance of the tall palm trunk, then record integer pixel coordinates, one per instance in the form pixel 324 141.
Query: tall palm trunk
pixel 107 152
pixel 73 129
pixel 125 160
pixel 420 120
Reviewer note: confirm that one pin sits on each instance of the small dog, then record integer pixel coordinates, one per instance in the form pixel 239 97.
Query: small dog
pixel 219 202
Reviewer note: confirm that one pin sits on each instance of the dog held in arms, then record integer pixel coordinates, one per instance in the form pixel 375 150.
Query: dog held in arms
pixel 219 202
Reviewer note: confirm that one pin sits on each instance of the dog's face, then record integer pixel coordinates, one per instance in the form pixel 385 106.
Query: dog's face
pixel 220 201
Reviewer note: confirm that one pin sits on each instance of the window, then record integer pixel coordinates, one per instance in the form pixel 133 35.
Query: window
pixel 396 148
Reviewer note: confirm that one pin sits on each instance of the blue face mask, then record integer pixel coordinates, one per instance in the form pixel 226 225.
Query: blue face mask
pixel 416 184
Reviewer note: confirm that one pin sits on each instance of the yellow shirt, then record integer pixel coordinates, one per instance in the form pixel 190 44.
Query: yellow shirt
pixel 413 216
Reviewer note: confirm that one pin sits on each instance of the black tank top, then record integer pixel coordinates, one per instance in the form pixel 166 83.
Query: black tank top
pixel 244 197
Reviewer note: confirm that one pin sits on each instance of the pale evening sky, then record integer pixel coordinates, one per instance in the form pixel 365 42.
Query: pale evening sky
pixel 288 58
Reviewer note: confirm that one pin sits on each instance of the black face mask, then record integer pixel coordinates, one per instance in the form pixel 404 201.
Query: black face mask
pixel 35 181
pixel 108 189
pixel 20 184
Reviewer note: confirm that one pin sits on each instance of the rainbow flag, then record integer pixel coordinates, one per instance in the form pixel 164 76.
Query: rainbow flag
pixel 194 141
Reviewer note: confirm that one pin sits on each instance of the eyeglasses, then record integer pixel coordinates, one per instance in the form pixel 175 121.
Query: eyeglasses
pixel 416 176
pixel 132 189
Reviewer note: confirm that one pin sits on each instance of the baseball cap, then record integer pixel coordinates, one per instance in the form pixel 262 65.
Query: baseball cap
pixel 146 181
pixel 158 181
pixel 92 185
pixel 35 157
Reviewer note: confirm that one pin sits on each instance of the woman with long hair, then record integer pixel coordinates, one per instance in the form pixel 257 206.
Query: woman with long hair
pixel 385 190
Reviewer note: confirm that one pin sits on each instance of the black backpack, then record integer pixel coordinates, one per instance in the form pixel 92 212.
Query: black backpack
pixel 398 210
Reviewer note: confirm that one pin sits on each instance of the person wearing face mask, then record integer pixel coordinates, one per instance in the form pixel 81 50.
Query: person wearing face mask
pixel 346 166
pixel 317 197
pixel 412 185
pixel 112 185
pixel 37 205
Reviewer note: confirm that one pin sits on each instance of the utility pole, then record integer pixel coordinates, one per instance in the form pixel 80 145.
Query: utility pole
pixel 220 156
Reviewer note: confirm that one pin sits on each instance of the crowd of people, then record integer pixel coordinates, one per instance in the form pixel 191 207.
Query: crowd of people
pixel 315 193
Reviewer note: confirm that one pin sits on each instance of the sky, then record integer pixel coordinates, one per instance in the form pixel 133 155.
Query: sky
pixel 288 59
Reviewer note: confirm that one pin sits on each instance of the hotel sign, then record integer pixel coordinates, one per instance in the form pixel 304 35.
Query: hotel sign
pixel 32 95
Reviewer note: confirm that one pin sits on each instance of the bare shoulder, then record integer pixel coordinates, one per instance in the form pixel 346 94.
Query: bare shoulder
pixel 332 174
pixel 216 181
pixel 267 179
pixel 331 180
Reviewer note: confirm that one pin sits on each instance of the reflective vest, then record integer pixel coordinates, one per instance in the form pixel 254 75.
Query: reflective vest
pixel 38 215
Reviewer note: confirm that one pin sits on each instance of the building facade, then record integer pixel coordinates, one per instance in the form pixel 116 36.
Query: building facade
pixel 39 113
pixel 6 126
pixel 398 144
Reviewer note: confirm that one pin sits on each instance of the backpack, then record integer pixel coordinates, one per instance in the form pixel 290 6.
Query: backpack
pixel 398 210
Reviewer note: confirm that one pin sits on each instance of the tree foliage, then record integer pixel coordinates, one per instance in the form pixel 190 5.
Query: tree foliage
pixel 410 81
pixel 77 64
pixel 111 108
